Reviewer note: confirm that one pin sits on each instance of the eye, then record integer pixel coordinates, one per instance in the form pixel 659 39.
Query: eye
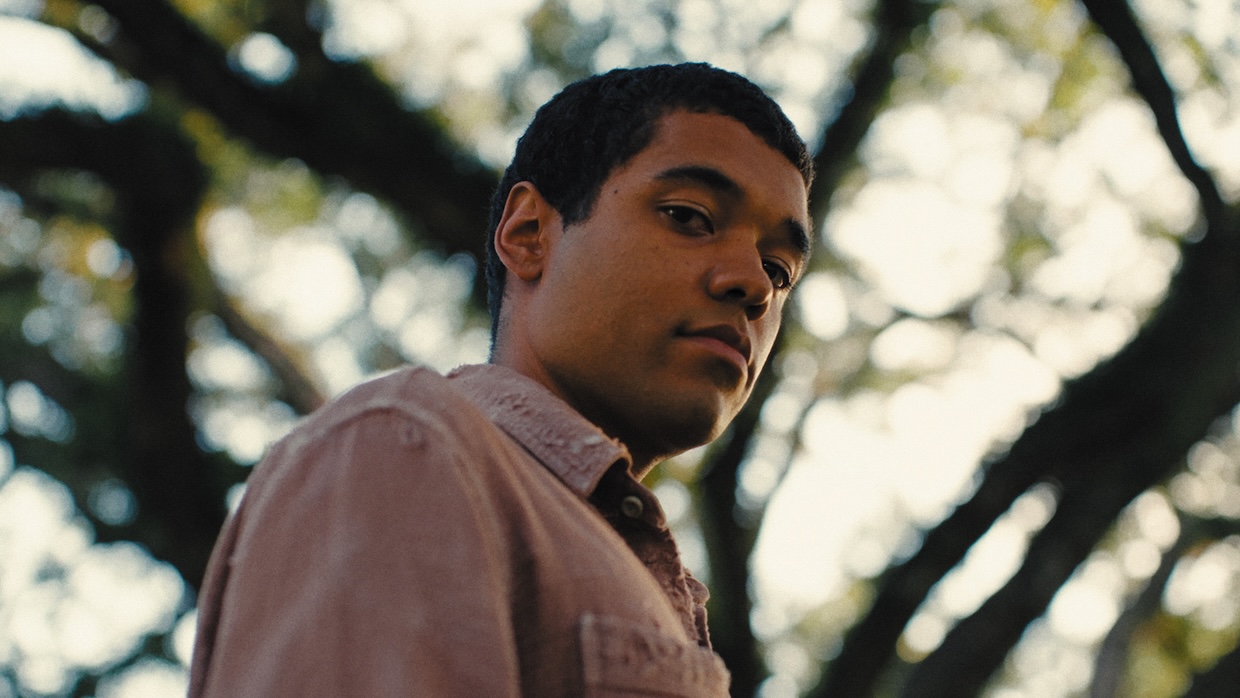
pixel 689 218
pixel 780 277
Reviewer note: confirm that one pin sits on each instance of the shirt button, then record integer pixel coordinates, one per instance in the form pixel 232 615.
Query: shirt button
pixel 632 506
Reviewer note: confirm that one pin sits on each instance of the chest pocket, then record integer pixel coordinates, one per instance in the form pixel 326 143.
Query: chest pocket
pixel 621 659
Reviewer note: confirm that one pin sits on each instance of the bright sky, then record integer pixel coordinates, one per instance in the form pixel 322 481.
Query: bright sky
pixel 926 231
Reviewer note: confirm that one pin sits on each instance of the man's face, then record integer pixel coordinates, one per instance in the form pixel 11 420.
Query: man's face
pixel 654 315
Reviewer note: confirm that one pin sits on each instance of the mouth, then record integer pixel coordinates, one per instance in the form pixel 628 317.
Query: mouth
pixel 723 340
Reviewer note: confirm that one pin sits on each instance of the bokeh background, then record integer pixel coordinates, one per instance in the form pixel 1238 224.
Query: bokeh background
pixel 996 452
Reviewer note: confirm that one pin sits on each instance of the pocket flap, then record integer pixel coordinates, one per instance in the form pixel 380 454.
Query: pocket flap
pixel 622 657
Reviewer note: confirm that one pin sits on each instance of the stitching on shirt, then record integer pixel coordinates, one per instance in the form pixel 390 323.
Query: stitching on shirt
pixel 551 431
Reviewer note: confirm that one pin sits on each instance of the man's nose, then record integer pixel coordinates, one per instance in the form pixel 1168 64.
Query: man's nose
pixel 739 276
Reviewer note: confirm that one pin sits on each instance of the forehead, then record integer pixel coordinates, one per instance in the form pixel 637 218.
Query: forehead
pixel 690 139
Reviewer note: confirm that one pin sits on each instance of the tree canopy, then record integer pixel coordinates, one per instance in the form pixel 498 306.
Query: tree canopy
pixel 996 451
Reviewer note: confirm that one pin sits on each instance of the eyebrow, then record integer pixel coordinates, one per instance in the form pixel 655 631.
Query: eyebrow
pixel 720 182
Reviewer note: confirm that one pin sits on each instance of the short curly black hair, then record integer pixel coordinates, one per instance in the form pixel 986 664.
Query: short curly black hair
pixel 579 137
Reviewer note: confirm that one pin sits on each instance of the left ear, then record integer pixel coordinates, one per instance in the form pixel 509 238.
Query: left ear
pixel 524 235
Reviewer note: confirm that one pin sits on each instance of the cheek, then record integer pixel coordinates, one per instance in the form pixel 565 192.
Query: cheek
pixel 764 336
pixel 648 281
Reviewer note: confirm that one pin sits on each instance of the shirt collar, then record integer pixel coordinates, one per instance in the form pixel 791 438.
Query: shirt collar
pixel 569 445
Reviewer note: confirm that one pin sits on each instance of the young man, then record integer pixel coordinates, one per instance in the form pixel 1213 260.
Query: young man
pixel 486 534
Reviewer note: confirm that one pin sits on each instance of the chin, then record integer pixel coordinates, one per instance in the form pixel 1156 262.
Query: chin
pixel 686 426
pixel 660 420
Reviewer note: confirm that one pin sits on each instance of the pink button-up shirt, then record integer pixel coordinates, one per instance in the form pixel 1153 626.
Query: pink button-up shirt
pixel 462 536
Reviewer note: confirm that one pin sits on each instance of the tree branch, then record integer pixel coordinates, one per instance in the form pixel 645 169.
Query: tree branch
pixel 894 23
pixel 296 388
pixel 339 118
pixel 1115 19
pixel 1144 408
pixel 1112 658
pixel 1148 405
pixel 158 180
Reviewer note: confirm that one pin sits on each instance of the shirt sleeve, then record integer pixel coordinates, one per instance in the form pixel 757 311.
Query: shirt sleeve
pixel 364 561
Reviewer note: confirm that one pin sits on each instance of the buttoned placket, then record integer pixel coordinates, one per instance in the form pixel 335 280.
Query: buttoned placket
pixel 594 467
pixel 635 514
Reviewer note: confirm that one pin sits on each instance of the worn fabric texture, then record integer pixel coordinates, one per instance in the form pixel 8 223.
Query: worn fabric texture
pixel 462 536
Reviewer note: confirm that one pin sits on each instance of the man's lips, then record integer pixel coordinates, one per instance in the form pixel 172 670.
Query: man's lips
pixel 723 340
